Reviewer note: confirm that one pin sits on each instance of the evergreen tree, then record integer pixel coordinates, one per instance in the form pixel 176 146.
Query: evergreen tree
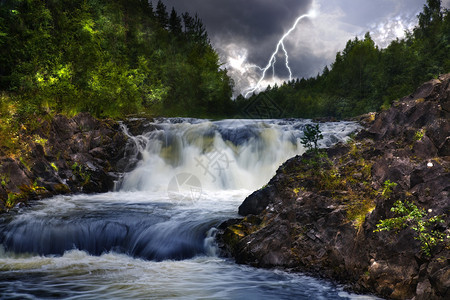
pixel 188 23
pixel 110 58
pixel 161 14
pixel 175 23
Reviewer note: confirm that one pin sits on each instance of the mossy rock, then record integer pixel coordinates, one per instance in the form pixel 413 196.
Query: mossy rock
pixel 61 188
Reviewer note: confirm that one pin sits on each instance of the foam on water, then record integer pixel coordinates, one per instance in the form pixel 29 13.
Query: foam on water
pixel 151 238
pixel 223 155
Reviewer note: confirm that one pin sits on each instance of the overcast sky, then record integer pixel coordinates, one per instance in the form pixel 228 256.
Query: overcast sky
pixel 245 32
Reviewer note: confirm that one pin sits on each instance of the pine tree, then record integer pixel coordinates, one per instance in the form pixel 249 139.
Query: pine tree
pixel 200 30
pixel 175 23
pixel 162 15
pixel 188 23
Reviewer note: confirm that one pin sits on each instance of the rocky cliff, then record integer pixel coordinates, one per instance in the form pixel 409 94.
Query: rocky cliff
pixel 320 212
pixel 64 155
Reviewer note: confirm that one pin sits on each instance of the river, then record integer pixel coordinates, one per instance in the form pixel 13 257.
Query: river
pixel 153 238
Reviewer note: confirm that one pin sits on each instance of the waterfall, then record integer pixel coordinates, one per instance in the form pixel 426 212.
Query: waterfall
pixel 220 155
pixel 185 174
pixel 155 235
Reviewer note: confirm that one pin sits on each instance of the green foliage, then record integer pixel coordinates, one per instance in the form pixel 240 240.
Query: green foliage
pixel 418 136
pixel 364 78
pixel 81 172
pixel 3 180
pixel 410 216
pixel 109 58
pixel 116 58
pixel 312 135
pixel 54 166
pixel 388 188
pixel 12 200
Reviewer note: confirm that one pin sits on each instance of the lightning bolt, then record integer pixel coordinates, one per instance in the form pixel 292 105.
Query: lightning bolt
pixel 272 60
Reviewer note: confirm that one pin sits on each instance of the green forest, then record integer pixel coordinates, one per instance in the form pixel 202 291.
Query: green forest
pixel 108 58
pixel 119 58
pixel 364 78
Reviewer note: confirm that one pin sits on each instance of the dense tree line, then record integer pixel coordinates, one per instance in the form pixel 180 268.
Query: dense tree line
pixel 120 57
pixel 365 78
pixel 109 58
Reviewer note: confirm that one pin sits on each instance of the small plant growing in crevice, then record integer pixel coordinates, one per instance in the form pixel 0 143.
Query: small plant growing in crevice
pixel 410 216
pixel 312 136
pixel 418 136
pixel 3 180
pixel 54 166
pixel 79 170
pixel 388 189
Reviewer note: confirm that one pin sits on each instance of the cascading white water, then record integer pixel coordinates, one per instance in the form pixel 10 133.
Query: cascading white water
pixel 223 155
pixel 152 238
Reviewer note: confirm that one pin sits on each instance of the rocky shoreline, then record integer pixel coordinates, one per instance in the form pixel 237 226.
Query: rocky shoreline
pixel 64 155
pixel 319 214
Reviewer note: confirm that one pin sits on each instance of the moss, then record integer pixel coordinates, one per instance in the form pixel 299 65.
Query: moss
pixel 357 210
pixel 348 181
pixel 354 151
pixel 331 180
pixel 366 169
pixel 235 233
pixel 4 179
pixel 81 172
pixel 418 136
pixel 13 200
pixel 39 140
pixel 61 188
pixel 27 192
pixel 24 163
pixel 54 166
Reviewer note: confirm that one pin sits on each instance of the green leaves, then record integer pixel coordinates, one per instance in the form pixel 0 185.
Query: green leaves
pixel 410 216
pixel 388 187
pixel 110 58
pixel 312 135
pixel 363 78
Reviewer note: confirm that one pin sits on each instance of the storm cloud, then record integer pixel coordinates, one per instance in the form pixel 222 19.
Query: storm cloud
pixel 245 33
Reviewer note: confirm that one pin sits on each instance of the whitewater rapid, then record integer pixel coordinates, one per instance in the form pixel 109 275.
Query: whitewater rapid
pixel 153 238
pixel 222 155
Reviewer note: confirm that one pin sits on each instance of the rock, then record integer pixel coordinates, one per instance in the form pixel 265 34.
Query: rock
pixel 255 203
pixel 86 122
pixel 13 175
pixel 425 148
pixel 80 155
pixel 139 125
pixel 444 149
pixel 324 222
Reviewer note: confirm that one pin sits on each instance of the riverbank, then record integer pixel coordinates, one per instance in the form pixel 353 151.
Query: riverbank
pixel 320 214
pixel 63 155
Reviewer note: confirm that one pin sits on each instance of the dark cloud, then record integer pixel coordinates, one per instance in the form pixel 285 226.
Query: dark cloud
pixel 249 18
pixel 245 33
pixel 254 24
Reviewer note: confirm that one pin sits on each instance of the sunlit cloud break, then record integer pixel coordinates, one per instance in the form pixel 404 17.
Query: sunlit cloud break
pixel 271 64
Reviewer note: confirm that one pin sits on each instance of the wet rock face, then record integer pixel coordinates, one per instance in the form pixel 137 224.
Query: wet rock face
pixel 320 216
pixel 79 154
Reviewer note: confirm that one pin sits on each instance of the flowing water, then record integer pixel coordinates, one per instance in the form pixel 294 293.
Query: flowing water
pixel 153 238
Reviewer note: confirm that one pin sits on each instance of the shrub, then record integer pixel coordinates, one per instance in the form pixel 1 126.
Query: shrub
pixel 410 216
pixel 312 136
